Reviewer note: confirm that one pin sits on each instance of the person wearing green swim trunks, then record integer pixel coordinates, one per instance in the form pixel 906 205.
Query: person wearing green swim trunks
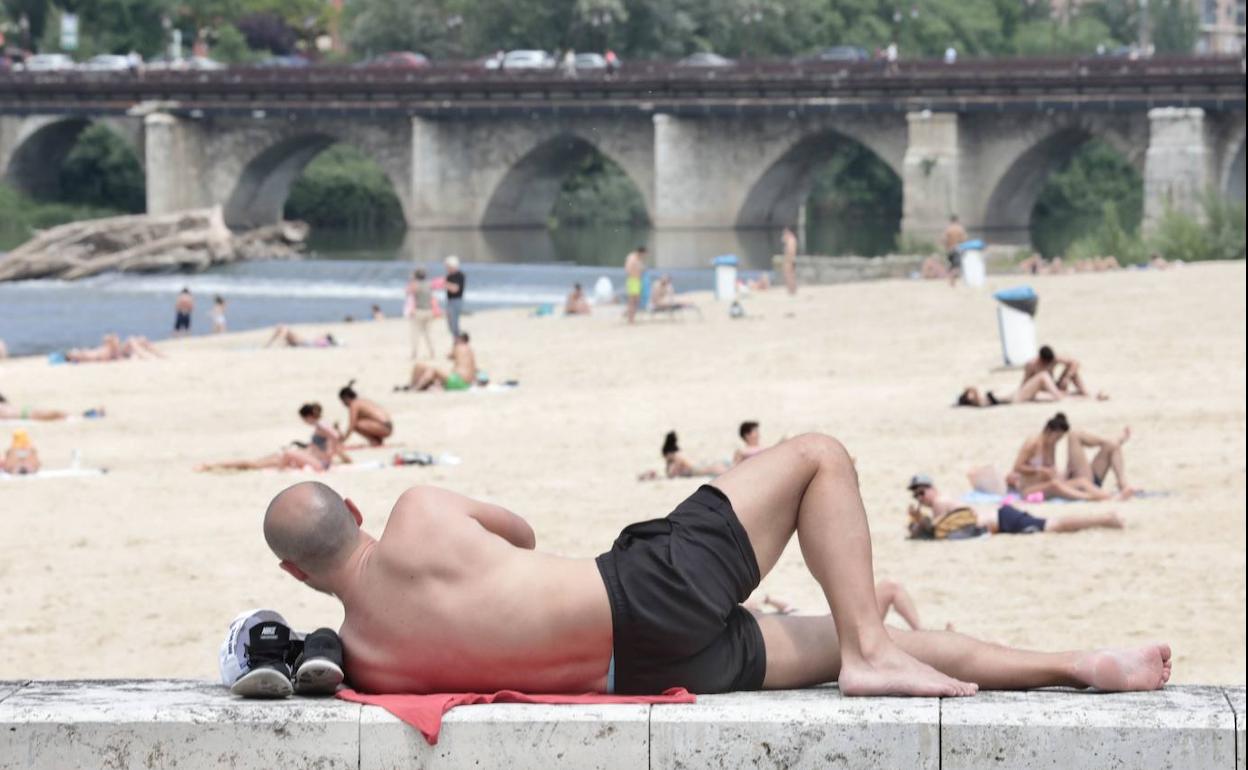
pixel 462 374
pixel 634 266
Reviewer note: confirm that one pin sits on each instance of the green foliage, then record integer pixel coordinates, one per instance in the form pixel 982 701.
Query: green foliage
pixel 21 216
pixel 101 171
pixel 1176 26
pixel 911 244
pixel 1071 204
pixel 345 189
pixel 598 192
pixel 1110 239
pixel 1080 37
pixel 231 46
pixel 1220 236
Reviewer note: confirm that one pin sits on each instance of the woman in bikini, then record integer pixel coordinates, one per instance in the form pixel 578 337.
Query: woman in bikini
pixel 1031 390
pixel 365 417
pixel 1035 468
pixel 319 453
pixel 679 466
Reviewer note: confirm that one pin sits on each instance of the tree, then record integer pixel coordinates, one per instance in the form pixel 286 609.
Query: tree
pixel 1175 27
pixel 266 31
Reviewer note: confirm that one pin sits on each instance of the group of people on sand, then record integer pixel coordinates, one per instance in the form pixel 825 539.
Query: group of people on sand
pixel 1041 378
pixel 677 465
pixel 328 443
pixel 184 310
pixel 1038 265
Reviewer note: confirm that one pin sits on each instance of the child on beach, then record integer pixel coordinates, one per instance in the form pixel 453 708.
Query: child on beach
pixel 21 457
pixel 218 314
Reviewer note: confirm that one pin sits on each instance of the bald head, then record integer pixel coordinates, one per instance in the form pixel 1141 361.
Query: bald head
pixel 310 526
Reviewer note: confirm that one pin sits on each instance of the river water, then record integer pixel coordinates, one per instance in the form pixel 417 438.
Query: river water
pixel 347 273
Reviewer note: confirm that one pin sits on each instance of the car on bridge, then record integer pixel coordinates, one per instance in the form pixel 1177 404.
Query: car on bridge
pixel 106 62
pixel 705 59
pixel 398 60
pixel 591 61
pixel 528 60
pixel 842 53
pixel 46 62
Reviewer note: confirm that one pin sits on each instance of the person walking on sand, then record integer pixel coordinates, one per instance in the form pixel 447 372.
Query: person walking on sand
pixel 183 306
pixel 634 268
pixel 952 520
pixel 218 315
pixel 455 284
pixel 954 236
pixel 788 259
pixel 419 311
pixel 660 608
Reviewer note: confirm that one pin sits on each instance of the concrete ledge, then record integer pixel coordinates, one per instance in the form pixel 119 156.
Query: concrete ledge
pixel 189 724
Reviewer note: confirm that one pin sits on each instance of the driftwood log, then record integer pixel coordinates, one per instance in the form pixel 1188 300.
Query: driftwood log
pixel 186 240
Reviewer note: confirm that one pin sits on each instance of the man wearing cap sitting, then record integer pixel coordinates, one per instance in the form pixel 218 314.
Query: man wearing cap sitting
pixel 952 520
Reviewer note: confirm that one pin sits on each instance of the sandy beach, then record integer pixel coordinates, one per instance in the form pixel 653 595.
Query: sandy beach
pixel 138 572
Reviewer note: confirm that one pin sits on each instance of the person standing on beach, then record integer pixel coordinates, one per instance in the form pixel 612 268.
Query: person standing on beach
pixel 634 266
pixel 954 236
pixel 419 311
pixel 218 314
pixel 183 307
pixel 454 295
pixel 788 265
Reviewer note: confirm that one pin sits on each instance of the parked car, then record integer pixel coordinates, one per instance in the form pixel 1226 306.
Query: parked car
pixel 843 53
pixel 403 60
pixel 528 60
pixel 106 62
pixel 283 62
pixel 159 63
pixel 705 59
pixel 591 61
pixel 47 62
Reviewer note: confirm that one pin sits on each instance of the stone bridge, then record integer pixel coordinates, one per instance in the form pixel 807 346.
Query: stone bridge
pixel 705 148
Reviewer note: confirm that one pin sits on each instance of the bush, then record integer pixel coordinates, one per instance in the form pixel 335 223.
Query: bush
pixel 102 171
pixel 231 46
pixel 342 188
pixel 1070 207
pixel 598 192
pixel 22 216
pixel 1220 236
pixel 915 245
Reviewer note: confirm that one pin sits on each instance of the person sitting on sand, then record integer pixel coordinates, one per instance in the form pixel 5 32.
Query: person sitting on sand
pixel 679 466
pixel 461 375
pixel 378 315
pixel 21 457
pixel 318 453
pixel 749 434
pixel 659 609
pixel 1031 390
pixel 1035 468
pixel 1069 380
pixel 10 412
pixel 952 520
pixel 294 340
pixel 366 417
pixel 576 303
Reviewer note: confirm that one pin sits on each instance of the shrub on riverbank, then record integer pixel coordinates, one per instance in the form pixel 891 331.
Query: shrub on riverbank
pixel 20 216
pixel 344 189
pixel 1218 234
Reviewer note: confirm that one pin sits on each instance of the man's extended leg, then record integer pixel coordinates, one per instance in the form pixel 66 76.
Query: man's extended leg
pixel 803 651
pixel 1076 522
pixel 808 484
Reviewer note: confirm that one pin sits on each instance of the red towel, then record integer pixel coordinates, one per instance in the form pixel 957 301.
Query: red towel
pixel 424 712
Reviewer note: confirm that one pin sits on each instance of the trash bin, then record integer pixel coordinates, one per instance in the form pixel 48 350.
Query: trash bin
pixel 1016 321
pixel 604 292
pixel 725 277
pixel 973 268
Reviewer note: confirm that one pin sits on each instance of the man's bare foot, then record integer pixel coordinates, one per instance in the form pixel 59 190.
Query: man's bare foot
pixel 1102 396
pixel 1122 670
pixel 891 671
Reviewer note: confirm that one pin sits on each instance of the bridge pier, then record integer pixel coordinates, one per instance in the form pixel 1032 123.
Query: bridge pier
pixel 174 169
pixel 930 178
pixel 1177 166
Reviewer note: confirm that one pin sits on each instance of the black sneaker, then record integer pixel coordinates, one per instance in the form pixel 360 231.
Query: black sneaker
pixel 268 674
pixel 318 671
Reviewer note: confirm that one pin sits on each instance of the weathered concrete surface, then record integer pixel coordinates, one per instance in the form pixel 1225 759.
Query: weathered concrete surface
pixel 930 173
pixel 815 728
pixel 164 724
pixel 1235 695
pixel 1187 728
pixel 1179 170
pixel 512 736
pixel 8 688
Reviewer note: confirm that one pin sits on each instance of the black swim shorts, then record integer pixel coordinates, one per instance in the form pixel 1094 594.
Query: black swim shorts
pixel 181 321
pixel 676 586
pixel 1013 521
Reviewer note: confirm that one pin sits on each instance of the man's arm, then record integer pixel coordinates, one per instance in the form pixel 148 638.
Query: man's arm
pixel 493 518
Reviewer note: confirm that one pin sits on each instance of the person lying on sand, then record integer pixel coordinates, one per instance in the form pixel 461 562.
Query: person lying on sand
pixel 679 466
pixel 1035 468
pixel 294 340
pixel 576 303
pixel 888 596
pixel 10 412
pixel 660 609
pixel 952 520
pixel 460 376
pixel 365 417
pixel 1069 380
pixel 22 457
pixel 318 453
pixel 753 444
pixel 1038 385
pixel 112 348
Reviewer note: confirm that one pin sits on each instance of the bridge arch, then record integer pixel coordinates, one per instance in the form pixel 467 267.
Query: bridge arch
pixel 41 145
pixel 779 191
pixel 527 191
pixel 1016 180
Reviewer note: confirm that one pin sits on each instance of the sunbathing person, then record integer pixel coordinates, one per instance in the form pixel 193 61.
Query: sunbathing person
pixel 10 412
pixel 319 453
pixel 679 466
pixel 1031 390
pixel 294 340
pixel 753 445
pixel 1035 468
pixel 1069 380
pixel 660 609
pixel 460 376
pixel 576 303
pixel 21 457
pixel 366 417
pixel 952 520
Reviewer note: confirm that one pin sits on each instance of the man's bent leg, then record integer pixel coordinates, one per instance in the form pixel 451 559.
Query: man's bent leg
pixel 804 651
pixel 809 484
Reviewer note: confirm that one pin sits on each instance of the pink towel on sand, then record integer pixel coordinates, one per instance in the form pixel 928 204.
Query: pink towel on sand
pixel 424 712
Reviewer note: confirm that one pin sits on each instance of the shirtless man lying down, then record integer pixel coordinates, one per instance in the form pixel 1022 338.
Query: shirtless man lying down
pixel 454 597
